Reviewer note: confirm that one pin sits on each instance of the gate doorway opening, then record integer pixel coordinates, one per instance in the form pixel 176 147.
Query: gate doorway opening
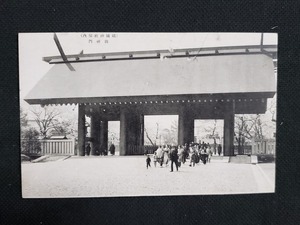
pixel 210 131
pixel 160 130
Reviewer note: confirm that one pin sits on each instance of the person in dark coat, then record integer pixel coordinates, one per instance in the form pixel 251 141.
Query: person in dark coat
pixel 148 160
pixel 112 149
pixel 219 149
pixel 174 158
pixel 185 152
pixel 88 149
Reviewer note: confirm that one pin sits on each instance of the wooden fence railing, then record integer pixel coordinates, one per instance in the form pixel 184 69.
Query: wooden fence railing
pixel 49 147
pixel 246 149
pixel 256 147
pixel 264 147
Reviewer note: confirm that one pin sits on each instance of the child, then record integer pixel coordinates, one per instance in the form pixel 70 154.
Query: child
pixel 148 160
pixel 154 158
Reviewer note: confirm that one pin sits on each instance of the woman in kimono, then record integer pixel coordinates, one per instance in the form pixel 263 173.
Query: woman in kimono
pixel 180 155
pixel 159 155
pixel 166 155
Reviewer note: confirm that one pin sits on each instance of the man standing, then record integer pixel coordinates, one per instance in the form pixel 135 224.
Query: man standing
pixel 174 158
pixel 219 149
pixel 88 149
pixel 112 149
pixel 148 161
pixel 185 152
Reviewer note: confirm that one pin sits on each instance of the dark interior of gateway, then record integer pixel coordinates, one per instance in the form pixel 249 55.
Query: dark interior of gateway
pixel 131 116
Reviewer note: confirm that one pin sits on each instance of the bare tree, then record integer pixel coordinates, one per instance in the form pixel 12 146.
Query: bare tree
pixel 63 127
pixel 248 127
pixel 23 118
pixel 258 127
pixel 148 137
pixel 170 135
pixel 46 118
pixel 213 134
pixel 243 127
pixel 272 108
pixel 156 136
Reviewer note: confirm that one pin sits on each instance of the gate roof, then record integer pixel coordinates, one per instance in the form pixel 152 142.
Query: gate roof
pixel 224 74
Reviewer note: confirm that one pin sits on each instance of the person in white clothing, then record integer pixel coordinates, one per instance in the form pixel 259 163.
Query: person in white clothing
pixel 159 155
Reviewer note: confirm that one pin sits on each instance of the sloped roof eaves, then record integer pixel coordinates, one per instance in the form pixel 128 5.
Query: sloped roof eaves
pixel 177 76
pixel 159 98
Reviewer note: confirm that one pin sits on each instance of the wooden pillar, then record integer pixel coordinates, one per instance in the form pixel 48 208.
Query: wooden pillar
pixel 123 132
pixel 141 131
pixel 95 134
pixel 81 130
pixel 133 131
pixel 229 130
pixel 185 128
pixel 189 129
pixel 181 129
pixel 104 136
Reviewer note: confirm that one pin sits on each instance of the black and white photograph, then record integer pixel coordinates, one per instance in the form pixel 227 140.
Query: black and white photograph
pixel 108 114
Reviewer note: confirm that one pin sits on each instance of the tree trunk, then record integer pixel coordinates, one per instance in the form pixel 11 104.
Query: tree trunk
pixel 215 146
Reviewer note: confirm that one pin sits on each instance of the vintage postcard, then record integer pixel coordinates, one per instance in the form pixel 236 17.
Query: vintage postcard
pixel 147 114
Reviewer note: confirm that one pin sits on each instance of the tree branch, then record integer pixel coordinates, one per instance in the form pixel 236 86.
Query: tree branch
pixel 148 137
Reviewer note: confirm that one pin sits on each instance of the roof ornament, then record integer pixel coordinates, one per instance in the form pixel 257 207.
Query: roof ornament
pixel 166 55
pixel 171 50
pixel 162 57
pixel 81 53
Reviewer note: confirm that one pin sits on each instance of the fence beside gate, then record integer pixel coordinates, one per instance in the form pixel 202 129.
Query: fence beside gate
pixel 256 147
pixel 50 147
pixel 264 146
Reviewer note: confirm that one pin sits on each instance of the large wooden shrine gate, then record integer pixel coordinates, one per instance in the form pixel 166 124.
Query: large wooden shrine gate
pixel 128 85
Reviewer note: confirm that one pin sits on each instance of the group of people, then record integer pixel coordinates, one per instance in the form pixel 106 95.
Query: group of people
pixel 180 154
pixel 164 155
pixel 112 149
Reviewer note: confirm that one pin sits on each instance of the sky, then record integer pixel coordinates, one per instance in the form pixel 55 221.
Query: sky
pixel 34 46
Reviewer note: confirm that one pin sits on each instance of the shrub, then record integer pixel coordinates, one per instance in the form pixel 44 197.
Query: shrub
pixel 30 141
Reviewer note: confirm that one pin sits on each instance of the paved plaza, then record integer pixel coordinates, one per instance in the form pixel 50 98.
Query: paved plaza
pixel 128 176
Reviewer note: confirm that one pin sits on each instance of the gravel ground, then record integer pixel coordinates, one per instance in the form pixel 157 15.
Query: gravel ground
pixel 128 176
pixel 269 169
